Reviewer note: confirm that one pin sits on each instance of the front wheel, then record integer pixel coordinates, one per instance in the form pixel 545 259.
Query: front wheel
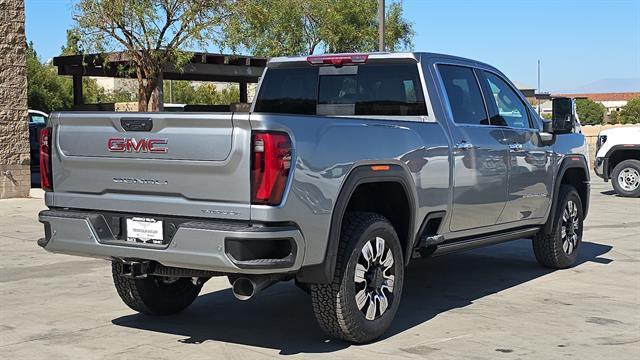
pixel 362 300
pixel 559 249
pixel 154 295
pixel 626 178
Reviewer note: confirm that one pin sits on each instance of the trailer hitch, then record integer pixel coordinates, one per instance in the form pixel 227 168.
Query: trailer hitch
pixel 136 269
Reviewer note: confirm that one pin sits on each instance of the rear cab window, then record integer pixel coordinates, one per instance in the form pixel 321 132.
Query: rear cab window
pixel 463 93
pixel 352 90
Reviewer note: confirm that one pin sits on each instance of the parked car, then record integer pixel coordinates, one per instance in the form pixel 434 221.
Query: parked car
pixel 618 159
pixel 37 121
pixel 346 168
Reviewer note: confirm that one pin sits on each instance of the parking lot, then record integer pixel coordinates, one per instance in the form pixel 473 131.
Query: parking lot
pixel 491 303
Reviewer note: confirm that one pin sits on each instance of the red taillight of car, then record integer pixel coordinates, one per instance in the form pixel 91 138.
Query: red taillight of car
pixel 46 181
pixel 338 59
pixel 270 164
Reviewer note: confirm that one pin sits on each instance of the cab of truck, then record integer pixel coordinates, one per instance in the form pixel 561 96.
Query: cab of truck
pixel 618 159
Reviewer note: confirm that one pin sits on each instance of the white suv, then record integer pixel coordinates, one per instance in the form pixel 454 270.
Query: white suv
pixel 618 159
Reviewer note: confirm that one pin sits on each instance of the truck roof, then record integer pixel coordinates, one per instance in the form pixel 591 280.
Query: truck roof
pixel 416 56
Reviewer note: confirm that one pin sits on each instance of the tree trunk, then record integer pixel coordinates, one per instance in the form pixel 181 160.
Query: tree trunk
pixel 143 104
pixel 157 97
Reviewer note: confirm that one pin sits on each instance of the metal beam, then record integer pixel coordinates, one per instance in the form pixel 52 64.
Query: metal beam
pixel 194 72
pixel 77 90
pixel 243 92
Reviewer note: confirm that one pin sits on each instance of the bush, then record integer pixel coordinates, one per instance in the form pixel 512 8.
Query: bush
pixel 630 113
pixel 590 113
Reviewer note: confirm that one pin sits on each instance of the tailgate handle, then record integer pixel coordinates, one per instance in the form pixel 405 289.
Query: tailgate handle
pixel 136 124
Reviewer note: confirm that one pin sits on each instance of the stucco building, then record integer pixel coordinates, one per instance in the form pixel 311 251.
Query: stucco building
pixel 15 177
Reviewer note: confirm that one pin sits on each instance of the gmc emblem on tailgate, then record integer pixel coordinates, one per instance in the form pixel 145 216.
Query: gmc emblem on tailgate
pixel 132 145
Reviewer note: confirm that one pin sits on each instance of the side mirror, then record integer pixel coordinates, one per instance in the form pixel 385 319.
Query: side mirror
pixel 564 118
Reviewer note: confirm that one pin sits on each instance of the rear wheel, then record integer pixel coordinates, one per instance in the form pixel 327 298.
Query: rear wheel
pixel 626 178
pixel 154 295
pixel 559 249
pixel 361 301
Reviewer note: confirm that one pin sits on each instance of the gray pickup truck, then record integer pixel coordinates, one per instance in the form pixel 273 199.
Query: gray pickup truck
pixel 346 168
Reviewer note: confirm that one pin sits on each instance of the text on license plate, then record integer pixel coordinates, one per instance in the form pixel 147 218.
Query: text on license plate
pixel 145 230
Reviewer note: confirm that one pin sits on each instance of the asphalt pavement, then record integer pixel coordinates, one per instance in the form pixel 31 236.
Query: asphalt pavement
pixel 490 303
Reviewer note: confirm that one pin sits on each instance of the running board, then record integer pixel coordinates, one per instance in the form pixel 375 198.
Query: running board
pixel 484 241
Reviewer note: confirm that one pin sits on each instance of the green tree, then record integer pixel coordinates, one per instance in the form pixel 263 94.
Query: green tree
pixel 47 91
pixel 73 45
pixel 151 32
pixel 302 27
pixel 613 117
pixel 630 113
pixel 184 92
pixel 590 112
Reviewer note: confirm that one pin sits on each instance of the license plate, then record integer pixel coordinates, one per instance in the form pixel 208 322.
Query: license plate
pixel 144 230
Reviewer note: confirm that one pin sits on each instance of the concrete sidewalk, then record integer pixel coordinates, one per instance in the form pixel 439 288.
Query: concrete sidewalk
pixel 492 303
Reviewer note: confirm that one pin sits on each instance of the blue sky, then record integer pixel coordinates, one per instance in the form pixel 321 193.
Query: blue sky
pixel 578 42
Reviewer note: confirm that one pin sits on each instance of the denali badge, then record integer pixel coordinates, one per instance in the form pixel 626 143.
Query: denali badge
pixel 139 181
pixel 132 145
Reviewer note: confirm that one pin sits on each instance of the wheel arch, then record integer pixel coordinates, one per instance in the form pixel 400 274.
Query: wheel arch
pixel 362 177
pixel 620 153
pixel 574 171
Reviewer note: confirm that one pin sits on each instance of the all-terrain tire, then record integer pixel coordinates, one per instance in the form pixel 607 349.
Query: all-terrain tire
pixel 334 304
pixel 632 169
pixel 551 250
pixel 154 295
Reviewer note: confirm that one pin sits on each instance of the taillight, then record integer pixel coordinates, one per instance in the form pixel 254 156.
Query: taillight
pixel 338 59
pixel 270 164
pixel 46 181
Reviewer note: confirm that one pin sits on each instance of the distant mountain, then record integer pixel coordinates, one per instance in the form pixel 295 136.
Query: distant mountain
pixel 606 86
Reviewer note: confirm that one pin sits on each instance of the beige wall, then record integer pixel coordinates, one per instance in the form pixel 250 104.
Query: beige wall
pixel 15 178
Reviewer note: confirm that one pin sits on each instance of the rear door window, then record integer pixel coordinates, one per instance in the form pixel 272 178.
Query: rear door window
pixel 370 89
pixel 463 93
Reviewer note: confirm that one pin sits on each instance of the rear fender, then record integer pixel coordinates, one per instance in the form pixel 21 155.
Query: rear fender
pixel 324 272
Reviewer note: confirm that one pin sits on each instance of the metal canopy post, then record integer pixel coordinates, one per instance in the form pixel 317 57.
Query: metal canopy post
pixel 77 90
pixel 243 92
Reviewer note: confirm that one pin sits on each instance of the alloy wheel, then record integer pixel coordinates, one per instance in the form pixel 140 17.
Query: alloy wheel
pixel 374 278
pixel 570 227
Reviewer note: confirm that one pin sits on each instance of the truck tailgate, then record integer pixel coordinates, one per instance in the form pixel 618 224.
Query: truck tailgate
pixel 184 164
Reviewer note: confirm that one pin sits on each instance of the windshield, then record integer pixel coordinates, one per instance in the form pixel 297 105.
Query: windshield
pixel 370 89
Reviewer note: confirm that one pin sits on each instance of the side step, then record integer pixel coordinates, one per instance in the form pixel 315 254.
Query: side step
pixel 432 240
pixel 472 243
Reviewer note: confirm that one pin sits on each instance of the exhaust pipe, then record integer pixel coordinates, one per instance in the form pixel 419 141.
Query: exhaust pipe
pixel 244 288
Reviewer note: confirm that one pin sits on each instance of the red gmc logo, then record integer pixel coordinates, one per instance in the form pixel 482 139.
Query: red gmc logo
pixel 132 145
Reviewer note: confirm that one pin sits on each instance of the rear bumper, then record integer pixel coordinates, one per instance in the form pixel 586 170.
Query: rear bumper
pixel 196 244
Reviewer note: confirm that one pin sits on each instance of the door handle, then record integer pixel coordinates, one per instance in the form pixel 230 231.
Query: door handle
pixel 463 145
pixel 515 147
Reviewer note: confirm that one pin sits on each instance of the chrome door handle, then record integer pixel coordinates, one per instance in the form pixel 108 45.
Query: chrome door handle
pixel 515 147
pixel 463 145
